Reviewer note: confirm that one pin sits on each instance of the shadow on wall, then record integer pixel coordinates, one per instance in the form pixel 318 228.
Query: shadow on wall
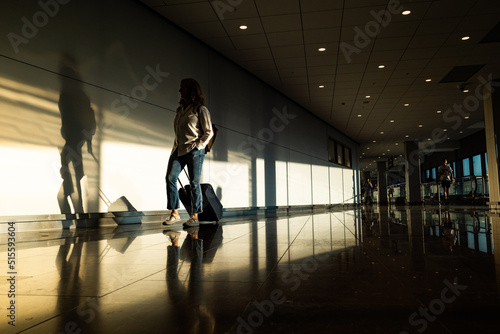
pixel 78 126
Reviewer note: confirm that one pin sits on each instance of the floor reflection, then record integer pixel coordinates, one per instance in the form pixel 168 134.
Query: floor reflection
pixel 370 269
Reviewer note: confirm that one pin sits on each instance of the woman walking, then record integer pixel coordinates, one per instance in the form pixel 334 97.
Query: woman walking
pixel 193 130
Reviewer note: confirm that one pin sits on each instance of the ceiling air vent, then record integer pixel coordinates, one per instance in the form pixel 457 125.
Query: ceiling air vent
pixel 493 36
pixel 461 73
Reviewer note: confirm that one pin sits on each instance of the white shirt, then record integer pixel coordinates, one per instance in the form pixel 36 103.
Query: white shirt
pixel 445 172
pixel 190 130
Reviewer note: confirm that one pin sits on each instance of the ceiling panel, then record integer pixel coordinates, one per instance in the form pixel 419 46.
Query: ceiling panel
pixel 319 36
pixel 322 20
pixel 280 23
pixel 320 5
pixel 290 51
pixel 188 13
pixel 277 7
pixel 232 27
pixel 246 42
pixel 285 38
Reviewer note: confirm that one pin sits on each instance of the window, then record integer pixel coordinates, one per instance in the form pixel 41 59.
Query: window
pixel 331 151
pixel 434 174
pixel 466 167
pixel 347 156
pixel 427 175
pixel 477 167
pixel 339 154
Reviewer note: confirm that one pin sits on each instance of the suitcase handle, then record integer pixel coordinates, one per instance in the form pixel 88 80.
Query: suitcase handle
pixel 187 177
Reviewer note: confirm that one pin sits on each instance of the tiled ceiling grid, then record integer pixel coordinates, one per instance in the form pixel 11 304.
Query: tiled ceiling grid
pixel 281 47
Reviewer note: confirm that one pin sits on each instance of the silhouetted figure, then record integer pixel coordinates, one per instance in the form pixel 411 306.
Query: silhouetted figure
pixel 445 174
pixel 77 128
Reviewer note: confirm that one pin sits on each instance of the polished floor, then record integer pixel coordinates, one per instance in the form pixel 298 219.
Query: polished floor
pixel 364 270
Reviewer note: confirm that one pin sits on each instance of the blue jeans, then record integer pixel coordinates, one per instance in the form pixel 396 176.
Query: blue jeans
pixel 194 162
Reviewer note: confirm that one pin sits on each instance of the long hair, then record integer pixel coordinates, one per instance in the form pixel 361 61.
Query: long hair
pixel 195 95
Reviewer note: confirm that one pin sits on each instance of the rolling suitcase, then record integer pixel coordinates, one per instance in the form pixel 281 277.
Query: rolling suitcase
pixel 212 207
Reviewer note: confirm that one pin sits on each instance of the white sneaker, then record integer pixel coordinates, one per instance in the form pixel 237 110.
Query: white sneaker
pixel 192 222
pixel 172 219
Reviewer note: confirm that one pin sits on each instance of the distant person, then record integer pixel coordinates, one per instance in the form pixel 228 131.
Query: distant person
pixel 445 175
pixel 391 193
pixel 368 189
pixel 192 130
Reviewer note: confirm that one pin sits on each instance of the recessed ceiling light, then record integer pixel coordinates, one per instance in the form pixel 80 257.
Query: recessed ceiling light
pixel 407 136
pixel 392 121
pixel 439 111
pixel 420 126
pixel 374 141
pixel 466 117
pixel 363 153
pixel 367 148
pixel 359 115
pixel 445 130
pixel 396 144
pixel 321 86
pixel 321 49
pixel 428 80
pixel 466 90
pixel 243 27
pixel 381 66
pixel 461 132
pixel 406 12
pixel 381 132
pixel 367 96
pixel 465 38
pixel 407 104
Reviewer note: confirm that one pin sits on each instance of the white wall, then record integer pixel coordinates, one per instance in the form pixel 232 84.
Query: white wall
pixel 261 158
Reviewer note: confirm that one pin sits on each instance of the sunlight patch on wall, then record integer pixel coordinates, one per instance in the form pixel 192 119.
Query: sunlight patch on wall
pixel 231 182
pixel 299 183
pixel 35 97
pixel 336 185
pixel 348 177
pixel 320 185
pixel 281 183
pixel 135 171
pixel 261 182
pixel 29 179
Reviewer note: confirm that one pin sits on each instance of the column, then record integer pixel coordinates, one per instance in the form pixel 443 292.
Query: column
pixel 382 182
pixel 491 97
pixel 495 231
pixel 412 173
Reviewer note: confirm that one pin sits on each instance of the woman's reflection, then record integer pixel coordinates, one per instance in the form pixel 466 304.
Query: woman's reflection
pixel 449 232
pixel 77 128
pixel 190 312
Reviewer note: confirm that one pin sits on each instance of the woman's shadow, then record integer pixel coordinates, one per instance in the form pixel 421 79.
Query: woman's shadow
pixel 78 126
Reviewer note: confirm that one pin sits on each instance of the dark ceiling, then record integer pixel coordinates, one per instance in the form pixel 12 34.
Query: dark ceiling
pixel 418 94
